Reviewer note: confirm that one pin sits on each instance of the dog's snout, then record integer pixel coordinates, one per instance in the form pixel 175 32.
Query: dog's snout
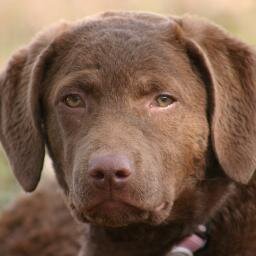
pixel 110 171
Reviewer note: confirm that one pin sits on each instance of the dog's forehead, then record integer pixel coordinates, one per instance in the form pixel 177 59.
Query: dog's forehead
pixel 120 41
pixel 120 45
pixel 136 21
pixel 123 50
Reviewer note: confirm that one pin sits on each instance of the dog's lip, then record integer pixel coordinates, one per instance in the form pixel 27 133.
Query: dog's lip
pixel 113 204
pixel 110 207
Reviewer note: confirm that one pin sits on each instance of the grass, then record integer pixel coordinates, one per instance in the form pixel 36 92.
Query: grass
pixel 8 185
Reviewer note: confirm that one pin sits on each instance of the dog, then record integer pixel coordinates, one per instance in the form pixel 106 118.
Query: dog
pixel 150 122
pixel 40 224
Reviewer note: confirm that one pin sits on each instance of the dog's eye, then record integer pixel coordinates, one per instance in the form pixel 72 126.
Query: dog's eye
pixel 164 100
pixel 74 101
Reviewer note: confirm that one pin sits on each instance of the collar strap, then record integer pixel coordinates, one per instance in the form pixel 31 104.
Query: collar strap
pixel 191 244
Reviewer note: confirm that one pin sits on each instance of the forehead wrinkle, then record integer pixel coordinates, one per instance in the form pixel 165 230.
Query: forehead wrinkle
pixel 84 68
pixel 147 85
pixel 87 80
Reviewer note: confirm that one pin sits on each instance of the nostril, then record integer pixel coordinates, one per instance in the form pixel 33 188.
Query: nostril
pixel 98 174
pixel 122 174
pixel 109 170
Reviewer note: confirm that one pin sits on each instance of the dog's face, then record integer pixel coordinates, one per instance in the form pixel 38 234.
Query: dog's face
pixel 128 102
pixel 131 127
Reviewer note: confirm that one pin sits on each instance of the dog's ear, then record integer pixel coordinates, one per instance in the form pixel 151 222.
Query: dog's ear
pixel 228 68
pixel 20 121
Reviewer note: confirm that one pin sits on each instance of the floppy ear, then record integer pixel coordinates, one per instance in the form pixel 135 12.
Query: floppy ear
pixel 20 122
pixel 228 68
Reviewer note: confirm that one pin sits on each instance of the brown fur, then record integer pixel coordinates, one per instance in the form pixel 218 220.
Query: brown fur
pixel 39 224
pixel 195 158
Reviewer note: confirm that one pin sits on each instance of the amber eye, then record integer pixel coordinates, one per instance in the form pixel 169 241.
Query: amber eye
pixel 164 100
pixel 74 101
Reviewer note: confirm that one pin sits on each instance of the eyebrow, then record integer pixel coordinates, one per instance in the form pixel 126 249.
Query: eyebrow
pixel 149 87
pixel 87 80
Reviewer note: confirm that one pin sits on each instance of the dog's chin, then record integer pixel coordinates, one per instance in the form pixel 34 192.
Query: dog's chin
pixel 119 214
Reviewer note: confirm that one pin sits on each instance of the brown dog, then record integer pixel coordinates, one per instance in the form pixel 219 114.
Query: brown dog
pixel 151 125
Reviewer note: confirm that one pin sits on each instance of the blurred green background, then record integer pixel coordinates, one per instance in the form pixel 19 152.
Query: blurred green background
pixel 21 19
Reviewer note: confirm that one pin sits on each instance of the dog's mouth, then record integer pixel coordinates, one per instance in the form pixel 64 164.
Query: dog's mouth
pixel 111 206
pixel 117 213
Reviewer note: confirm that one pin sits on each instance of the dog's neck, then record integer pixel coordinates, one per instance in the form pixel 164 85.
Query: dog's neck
pixel 141 239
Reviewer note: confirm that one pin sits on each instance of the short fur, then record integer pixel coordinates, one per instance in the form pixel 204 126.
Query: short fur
pixel 192 162
pixel 39 224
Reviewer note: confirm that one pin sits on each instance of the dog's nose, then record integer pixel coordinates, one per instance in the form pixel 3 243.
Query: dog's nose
pixel 110 171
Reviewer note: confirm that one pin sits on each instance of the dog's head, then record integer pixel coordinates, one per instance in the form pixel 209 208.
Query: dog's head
pixel 131 107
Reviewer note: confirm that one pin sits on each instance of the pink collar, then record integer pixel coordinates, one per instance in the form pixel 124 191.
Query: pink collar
pixel 191 244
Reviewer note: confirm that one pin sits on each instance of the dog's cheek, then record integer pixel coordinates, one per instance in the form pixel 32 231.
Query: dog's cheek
pixel 58 149
pixel 189 159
